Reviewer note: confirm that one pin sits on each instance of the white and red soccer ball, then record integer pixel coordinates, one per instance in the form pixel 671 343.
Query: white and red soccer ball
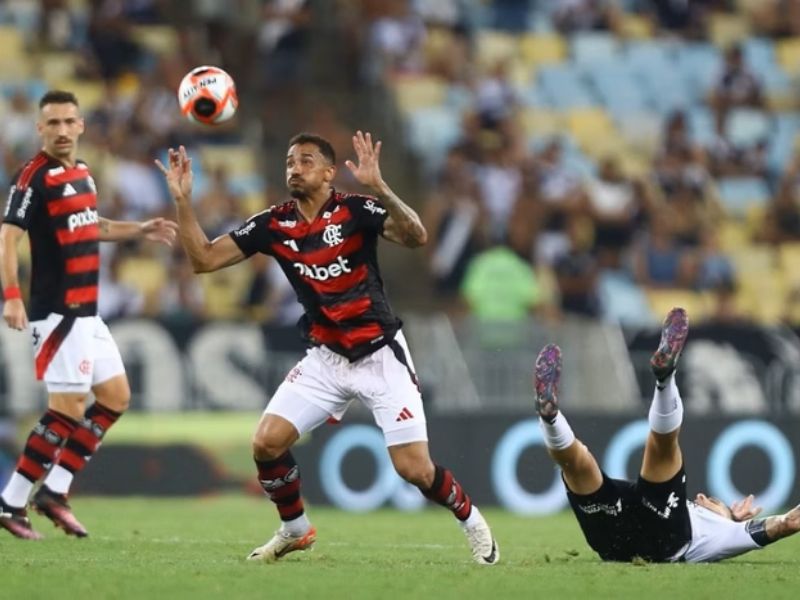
pixel 208 95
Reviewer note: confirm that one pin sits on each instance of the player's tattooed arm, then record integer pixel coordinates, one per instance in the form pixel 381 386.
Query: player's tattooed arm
pixel 155 230
pixel 781 526
pixel 403 224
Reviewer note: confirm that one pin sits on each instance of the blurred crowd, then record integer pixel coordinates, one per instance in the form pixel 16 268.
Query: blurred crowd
pixel 540 222
pixel 532 206
pixel 124 59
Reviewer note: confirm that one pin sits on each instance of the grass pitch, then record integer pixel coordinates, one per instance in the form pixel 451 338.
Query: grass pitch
pixel 176 548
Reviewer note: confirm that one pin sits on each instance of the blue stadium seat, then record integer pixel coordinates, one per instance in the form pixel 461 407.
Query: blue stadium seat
pixel 738 194
pixel 595 47
pixel 431 132
pixel 782 141
pixel 701 124
pixel 747 126
pixel 700 64
pixel 651 57
pixel 668 90
pixel 564 87
pixel 617 87
pixel 533 95
pixel 33 88
pixel 759 54
pixel 622 301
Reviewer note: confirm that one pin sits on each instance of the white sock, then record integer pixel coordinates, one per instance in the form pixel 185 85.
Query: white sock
pixel 297 527
pixel 558 434
pixel 666 411
pixel 473 518
pixel 17 491
pixel 59 480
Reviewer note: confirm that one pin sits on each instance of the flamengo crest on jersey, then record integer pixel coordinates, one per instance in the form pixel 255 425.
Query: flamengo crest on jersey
pixel 332 265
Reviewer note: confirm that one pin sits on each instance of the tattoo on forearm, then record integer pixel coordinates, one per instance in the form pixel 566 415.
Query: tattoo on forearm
pixel 105 225
pixel 406 220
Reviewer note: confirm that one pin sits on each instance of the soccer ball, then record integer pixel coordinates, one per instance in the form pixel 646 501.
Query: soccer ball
pixel 208 95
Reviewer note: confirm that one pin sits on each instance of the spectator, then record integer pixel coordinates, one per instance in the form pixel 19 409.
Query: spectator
pixel 456 222
pixel 495 98
pixel 183 299
pixel 737 86
pixel 269 297
pixel 218 206
pixel 19 130
pixel 782 219
pixel 500 287
pixel 570 16
pixel 576 272
pixel 686 18
pixel 714 270
pixel 499 183
pixel 659 260
pixel 283 37
pixel 561 194
pixel 613 206
pixel 110 39
pixel 396 40
pixel 137 182
pixel 118 299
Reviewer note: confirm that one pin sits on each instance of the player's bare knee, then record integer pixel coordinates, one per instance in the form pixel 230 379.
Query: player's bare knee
pixel 417 472
pixel 114 394
pixel 268 448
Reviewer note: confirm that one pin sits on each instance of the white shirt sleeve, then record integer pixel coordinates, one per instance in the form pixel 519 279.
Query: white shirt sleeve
pixel 714 537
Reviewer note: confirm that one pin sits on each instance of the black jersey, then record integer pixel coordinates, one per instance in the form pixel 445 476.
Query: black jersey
pixel 57 206
pixel 333 267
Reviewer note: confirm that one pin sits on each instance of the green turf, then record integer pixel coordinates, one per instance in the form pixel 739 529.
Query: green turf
pixel 153 549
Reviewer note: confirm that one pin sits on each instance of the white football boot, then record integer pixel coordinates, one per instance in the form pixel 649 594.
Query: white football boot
pixel 281 544
pixel 485 550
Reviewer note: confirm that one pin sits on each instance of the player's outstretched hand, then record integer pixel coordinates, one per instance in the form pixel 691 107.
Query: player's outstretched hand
pixel 160 230
pixel 743 510
pixel 15 315
pixel 368 170
pixel 179 174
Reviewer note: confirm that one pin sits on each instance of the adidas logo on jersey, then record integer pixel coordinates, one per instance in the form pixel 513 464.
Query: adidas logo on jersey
pixel 82 219
pixel 69 190
pixel 323 273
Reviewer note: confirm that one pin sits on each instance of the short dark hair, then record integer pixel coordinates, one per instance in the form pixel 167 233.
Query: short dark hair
pixel 325 147
pixel 58 97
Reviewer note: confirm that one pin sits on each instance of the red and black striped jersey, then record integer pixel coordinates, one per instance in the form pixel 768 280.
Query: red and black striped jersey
pixel 332 265
pixel 57 206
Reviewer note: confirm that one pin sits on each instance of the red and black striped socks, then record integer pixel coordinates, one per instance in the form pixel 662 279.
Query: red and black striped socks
pixel 449 493
pixel 280 479
pixel 80 447
pixel 40 451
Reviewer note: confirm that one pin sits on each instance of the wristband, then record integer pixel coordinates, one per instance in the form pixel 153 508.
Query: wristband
pixel 12 293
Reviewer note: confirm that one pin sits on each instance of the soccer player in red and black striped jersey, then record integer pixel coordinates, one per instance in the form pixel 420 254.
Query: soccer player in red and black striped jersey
pixel 54 200
pixel 326 244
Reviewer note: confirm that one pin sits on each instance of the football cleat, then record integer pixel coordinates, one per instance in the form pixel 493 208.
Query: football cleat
pixel 545 381
pixel 673 338
pixel 16 521
pixel 485 550
pixel 281 544
pixel 56 508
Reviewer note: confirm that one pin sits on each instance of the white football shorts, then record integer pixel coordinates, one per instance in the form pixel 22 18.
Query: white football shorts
pixel 72 354
pixel 323 384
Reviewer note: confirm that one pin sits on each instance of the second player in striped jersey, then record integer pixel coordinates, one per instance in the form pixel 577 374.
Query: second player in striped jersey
pixel 54 200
